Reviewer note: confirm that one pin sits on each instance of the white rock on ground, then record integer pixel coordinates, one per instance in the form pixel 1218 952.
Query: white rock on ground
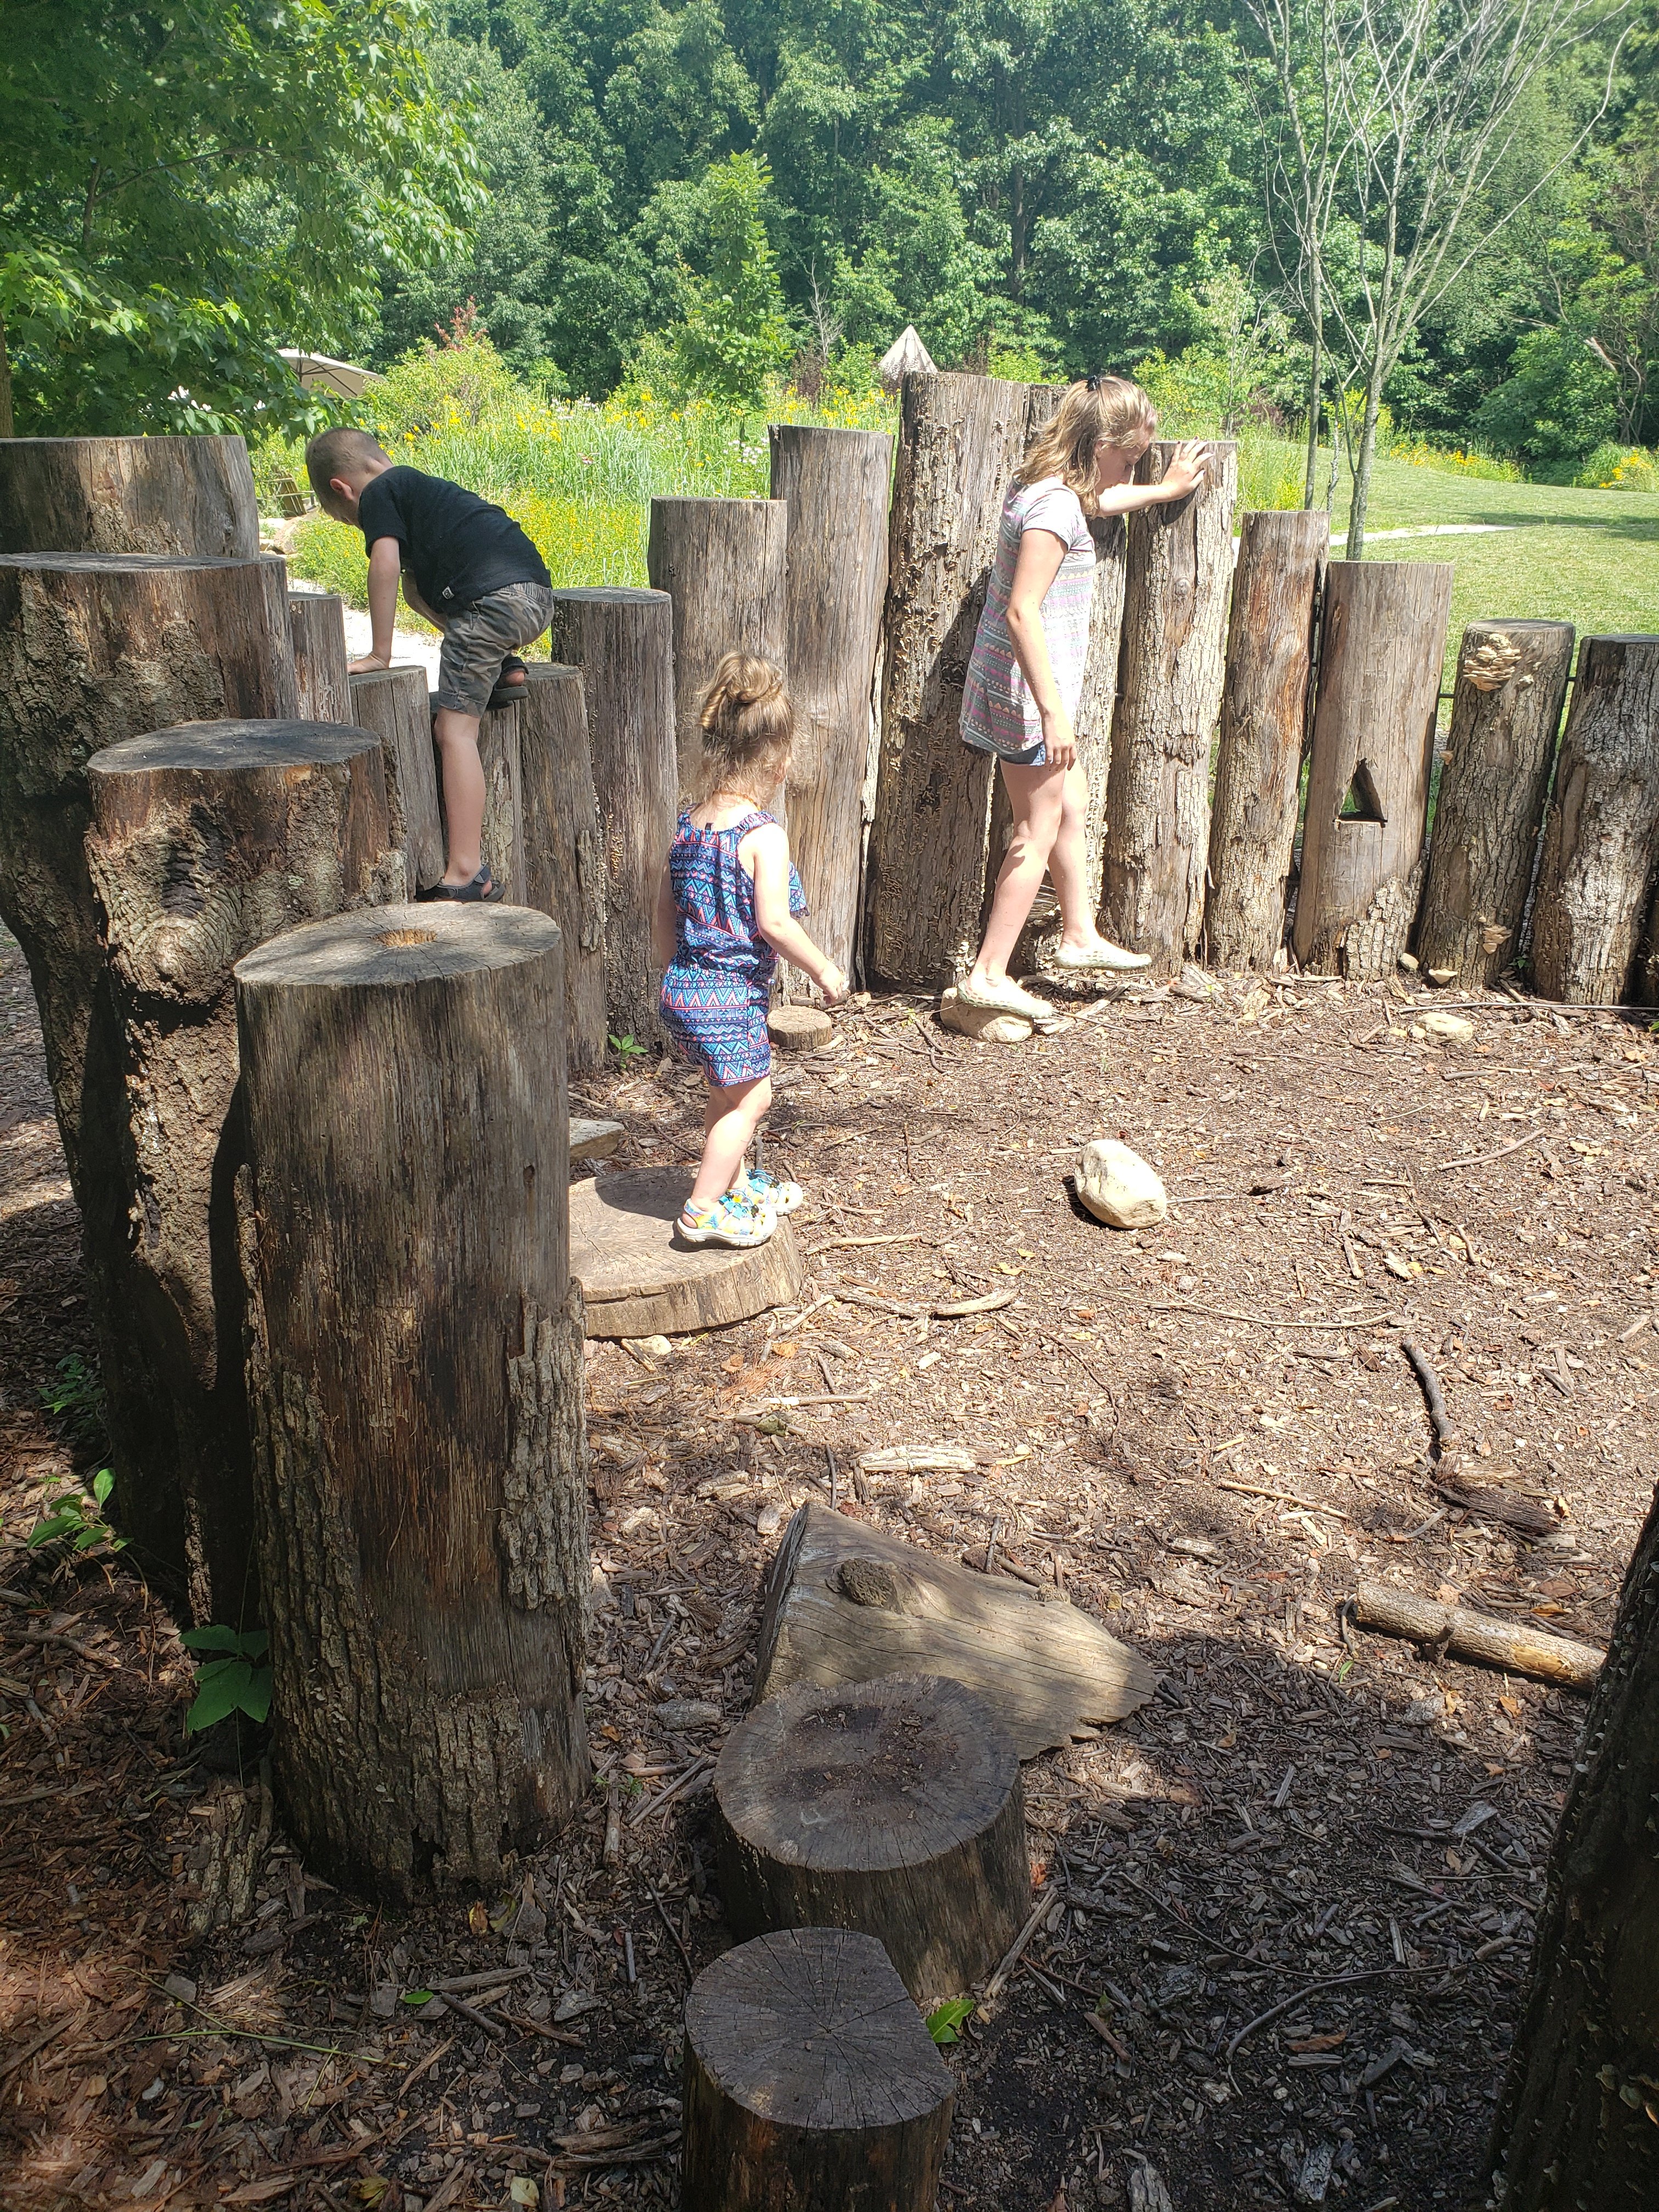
pixel 1118 1186
pixel 1448 1025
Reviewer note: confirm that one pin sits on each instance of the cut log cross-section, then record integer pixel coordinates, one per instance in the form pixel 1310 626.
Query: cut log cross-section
pixel 810 2082
pixel 722 562
pixel 316 623
pixel 416 1378
pixel 190 496
pixel 395 703
pixel 892 1806
pixel 563 852
pixel 639 1280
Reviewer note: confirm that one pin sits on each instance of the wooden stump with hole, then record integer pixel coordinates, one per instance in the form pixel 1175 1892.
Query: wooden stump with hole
pixel 563 854
pixel 892 1806
pixel 810 2081
pixel 721 563
pixel 316 623
pixel 394 702
pixel 639 1278
pixel 416 1376
pixel 190 496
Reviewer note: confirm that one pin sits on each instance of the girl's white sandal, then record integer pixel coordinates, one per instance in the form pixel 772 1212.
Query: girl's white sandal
pixel 1103 957
pixel 1004 997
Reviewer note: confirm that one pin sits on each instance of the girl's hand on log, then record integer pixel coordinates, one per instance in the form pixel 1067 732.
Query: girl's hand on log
pixel 1058 740
pixel 1186 470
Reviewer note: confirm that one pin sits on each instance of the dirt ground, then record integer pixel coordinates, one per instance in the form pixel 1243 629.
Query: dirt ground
pixel 1292 1897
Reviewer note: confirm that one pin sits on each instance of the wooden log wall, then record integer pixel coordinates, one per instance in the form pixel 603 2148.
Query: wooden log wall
pixel 722 562
pixel 190 496
pixel 563 849
pixel 394 702
pixel 316 622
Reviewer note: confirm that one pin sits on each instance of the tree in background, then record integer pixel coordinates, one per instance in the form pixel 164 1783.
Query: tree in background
pixel 735 332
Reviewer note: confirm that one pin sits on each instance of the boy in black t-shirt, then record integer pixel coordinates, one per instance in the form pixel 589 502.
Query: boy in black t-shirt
pixel 468 568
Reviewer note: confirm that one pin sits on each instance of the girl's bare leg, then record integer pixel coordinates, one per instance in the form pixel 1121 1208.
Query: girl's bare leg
pixel 1068 867
pixel 732 1113
pixel 1037 797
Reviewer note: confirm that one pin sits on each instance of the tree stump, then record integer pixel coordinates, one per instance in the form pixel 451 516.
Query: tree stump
pixel 499 755
pixel 395 704
pixel 799 1029
pixel 638 1279
pixel 563 854
pixel 722 562
pixel 205 841
pixel 836 485
pixel 1595 879
pixel 316 622
pixel 416 1376
pixel 1264 719
pixel 1180 566
pixel 810 2081
pixel 185 495
pixel 895 1807
pixel 623 643
pixel 1382 643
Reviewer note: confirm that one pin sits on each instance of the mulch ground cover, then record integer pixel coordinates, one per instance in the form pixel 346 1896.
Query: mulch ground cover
pixel 1289 1903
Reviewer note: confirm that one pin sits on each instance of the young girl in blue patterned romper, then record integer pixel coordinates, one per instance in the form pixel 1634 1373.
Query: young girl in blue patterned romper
pixel 725 910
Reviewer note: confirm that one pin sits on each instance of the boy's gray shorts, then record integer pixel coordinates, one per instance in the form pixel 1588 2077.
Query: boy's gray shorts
pixel 479 639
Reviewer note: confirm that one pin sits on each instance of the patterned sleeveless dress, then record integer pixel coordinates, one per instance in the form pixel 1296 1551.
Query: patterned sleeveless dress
pixel 718 984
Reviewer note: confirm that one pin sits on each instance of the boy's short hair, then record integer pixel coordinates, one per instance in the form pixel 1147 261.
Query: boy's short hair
pixel 337 454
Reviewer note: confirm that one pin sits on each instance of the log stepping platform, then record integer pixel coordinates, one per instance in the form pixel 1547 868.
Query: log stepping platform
pixel 639 1280
pixel 810 2081
pixel 892 1806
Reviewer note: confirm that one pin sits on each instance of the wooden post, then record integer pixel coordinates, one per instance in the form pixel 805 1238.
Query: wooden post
pixel 1157 804
pixel 187 496
pixel 1264 715
pixel 1596 875
pixel 503 820
pixel 810 2081
pixel 416 1376
pixel 961 438
pixel 1383 642
pixel 722 562
pixel 395 704
pixel 316 622
pixel 835 484
pixel 563 854
pixel 917 1832
pixel 205 841
pixel 623 643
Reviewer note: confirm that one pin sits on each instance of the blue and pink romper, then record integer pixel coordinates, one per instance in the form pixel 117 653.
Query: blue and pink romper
pixel 718 986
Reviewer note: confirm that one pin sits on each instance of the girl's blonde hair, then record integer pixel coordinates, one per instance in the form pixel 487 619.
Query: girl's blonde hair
pixel 1101 410
pixel 748 724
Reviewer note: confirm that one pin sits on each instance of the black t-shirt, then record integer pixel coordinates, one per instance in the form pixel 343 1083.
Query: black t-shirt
pixel 457 545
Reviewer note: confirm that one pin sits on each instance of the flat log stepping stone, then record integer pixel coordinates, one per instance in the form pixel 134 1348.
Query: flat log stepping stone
pixel 798 1029
pixel 893 1807
pixel 810 2081
pixel 639 1280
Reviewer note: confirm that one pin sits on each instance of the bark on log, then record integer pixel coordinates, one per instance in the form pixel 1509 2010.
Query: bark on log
pixel 722 562
pixel 1382 643
pixel 1506 710
pixel 563 852
pixel 638 1279
pixel 623 643
pixel 395 704
pixel 205 841
pixel 1578 2121
pixel 316 622
pixel 1511 1645
pixel 1158 804
pixel 1264 716
pixel 895 1807
pixel 502 840
pixel 810 2081
pixel 1597 870
pixel 836 485
pixel 960 438
pixel 416 1376
pixel 190 496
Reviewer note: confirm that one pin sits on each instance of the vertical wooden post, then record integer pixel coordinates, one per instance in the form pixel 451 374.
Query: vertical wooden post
pixel 722 562
pixel 1157 806
pixel 1264 712
pixel 1494 781
pixel 835 484
pixel 316 622
pixel 184 496
pixel 1596 875
pixel 395 704
pixel 415 1377
pixel 563 850
pixel 502 839
pixel 623 643
pixel 1382 641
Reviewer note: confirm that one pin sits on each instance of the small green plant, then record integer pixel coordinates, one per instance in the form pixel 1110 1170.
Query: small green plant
pixel 944 2022
pixel 233 1682
pixel 79 1516
pixel 626 1050
pixel 77 1395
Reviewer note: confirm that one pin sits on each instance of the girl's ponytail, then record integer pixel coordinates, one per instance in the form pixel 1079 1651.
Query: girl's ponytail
pixel 748 720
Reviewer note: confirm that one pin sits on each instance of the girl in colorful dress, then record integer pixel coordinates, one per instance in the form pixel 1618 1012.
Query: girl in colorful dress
pixel 725 910
pixel 1026 672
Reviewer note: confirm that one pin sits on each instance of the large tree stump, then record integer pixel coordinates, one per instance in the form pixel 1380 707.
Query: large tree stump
pixel 1576 2122
pixel 416 1376
pixel 206 840
pixel 190 496
pixel 810 2082
pixel 1158 803
pixel 639 1280
pixel 1596 873
pixel 316 622
pixel 1494 781
pixel 1264 718
pixel 895 1807
pixel 502 840
pixel 395 704
pixel 563 852
pixel 1383 642
pixel 623 643
pixel 836 486
pixel 722 562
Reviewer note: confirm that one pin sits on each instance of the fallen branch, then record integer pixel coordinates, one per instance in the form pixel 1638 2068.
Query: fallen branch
pixel 1284 1497
pixel 1225 1313
pixel 1439 1419
pixel 1467 1635
pixel 1485 1159
pixel 952 1310
pixel 1331 1982
pixel 844 1243
pixel 1040 1913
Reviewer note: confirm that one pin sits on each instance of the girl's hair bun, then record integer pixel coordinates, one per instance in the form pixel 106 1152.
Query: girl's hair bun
pixel 741 681
pixel 747 718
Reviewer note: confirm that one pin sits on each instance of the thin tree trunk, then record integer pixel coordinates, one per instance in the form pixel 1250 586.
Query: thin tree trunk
pixel 8 427
pixel 1316 372
pixel 722 561
pixel 187 495
pixel 1355 549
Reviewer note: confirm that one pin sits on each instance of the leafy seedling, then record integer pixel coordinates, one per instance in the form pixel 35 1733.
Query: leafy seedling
pixel 626 1050
pixel 944 2022
pixel 233 1683
pixel 77 1395
pixel 80 1516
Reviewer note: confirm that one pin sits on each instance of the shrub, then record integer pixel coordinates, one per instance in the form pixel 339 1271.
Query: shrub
pixel 1613 467
pixel 1420 454
pixel 1557 406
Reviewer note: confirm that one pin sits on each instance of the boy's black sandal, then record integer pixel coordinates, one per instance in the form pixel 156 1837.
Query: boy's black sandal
pixel 483 886
pixel 506 693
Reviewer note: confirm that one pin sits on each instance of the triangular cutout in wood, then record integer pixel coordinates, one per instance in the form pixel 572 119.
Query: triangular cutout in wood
pixel 1362 803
